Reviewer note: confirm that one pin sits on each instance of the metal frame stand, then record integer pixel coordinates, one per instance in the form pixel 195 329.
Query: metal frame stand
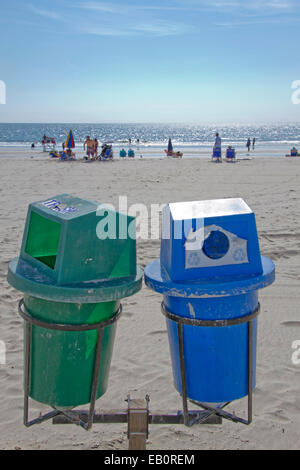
pixel 70 415
pixel 210 411
pixel 137 416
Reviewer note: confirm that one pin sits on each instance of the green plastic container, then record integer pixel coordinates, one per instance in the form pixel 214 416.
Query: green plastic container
pixel 62 362
pixel 71 274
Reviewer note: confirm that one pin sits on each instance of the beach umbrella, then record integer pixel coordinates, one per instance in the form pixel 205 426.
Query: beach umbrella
pixel 70 143
pixel 170 146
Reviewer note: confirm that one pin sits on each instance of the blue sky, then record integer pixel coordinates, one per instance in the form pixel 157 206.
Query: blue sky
pixel 149 61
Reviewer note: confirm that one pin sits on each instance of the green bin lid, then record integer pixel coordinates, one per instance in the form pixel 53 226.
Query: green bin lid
pixel 72 244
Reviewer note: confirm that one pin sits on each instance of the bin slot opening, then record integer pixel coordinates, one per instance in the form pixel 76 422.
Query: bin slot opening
pixel 43 239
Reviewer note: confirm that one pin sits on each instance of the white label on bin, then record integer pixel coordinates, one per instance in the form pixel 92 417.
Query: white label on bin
pixel 237 252
pixel 57 206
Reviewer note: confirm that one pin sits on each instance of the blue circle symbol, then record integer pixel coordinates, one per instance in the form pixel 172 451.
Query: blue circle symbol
pixel 216 245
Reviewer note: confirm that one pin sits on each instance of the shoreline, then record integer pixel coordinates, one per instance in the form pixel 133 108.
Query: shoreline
pixel 148 152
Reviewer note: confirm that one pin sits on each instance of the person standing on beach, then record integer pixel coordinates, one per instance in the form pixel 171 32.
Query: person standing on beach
pixel 253 143
pixel 96 145
pixel 218 141
pixel 90 147
pixel 248 144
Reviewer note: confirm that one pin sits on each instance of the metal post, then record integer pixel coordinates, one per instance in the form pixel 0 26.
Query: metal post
pixel 183 374
pixel 27 371
pixel 95 378
pixel 138 419
pixel 250 371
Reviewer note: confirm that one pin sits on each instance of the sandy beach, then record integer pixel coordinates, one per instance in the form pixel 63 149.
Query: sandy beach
pixel 141 360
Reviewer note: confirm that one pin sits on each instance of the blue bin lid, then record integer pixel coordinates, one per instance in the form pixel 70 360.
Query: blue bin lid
pixel 209 239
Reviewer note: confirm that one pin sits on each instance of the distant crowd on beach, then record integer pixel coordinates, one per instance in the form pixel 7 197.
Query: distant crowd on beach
pixel 91 146
pixel 218 142
pixel 92 153
pixel 97 151
pixel 230 151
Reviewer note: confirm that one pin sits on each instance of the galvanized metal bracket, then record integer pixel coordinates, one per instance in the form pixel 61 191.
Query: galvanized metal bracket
pixel 138 419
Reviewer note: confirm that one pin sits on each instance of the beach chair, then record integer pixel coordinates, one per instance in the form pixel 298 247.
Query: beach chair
pixel 294 153
pixel 64 157
pixel 230 155
pixel 54 154
pixel 174 154
pixel 108 155
pixel 217 155
pixel 131 153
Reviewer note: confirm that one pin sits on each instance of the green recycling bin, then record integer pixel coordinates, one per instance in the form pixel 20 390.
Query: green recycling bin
pixel 77 261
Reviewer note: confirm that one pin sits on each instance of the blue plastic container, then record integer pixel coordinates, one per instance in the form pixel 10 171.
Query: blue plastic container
pixel 211 269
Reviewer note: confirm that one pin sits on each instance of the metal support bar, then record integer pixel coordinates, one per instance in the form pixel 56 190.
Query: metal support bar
pixel 250 371
pixel 155 418
pixel 183 374
pixel 95 378
pixel 138 419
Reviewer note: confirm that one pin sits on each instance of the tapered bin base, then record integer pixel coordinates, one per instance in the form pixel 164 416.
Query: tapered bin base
pixel 62 362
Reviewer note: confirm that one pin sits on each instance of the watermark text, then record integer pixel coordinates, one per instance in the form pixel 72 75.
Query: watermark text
pixel 296 353
pixel 141 223
pixel 296 94
pixel 2 92
pixel 2 353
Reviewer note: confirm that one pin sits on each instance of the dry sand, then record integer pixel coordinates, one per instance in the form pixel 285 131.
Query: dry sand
pixel 141 360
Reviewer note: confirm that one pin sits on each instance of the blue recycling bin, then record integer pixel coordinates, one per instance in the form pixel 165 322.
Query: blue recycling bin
pixel 211 269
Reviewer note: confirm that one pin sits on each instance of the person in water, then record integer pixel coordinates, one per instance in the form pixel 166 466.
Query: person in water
pixel 253 143
pixel 248 144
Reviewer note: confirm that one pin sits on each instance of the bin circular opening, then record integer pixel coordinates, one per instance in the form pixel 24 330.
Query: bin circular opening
pixel 216 245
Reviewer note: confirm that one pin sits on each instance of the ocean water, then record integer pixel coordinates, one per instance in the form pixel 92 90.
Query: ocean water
pixel 269 138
